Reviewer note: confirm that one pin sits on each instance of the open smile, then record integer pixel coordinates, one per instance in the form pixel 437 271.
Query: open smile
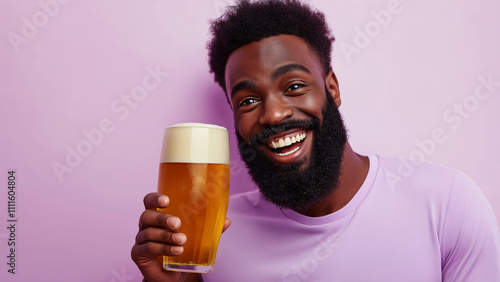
pixel 288 147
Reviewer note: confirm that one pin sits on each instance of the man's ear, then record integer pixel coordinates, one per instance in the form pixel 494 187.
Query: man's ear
pixel 332 85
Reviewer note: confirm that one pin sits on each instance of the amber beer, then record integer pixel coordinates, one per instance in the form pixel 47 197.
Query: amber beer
pixel 194 174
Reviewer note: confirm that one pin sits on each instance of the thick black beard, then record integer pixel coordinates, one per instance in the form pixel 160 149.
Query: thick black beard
pixel 289 186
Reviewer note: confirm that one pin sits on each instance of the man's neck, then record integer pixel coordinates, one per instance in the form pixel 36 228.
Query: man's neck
pixel 352 175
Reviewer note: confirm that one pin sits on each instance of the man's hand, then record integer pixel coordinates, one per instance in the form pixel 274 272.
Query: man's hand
pixel 156 238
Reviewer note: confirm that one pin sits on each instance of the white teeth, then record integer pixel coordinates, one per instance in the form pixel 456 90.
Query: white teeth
pixel 287 153
pixel 274 145
pixel 280 143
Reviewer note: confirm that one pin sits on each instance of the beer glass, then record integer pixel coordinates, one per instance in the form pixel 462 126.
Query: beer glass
pixel 194 174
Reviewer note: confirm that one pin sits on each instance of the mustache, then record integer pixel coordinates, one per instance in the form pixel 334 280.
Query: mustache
pixel 270 130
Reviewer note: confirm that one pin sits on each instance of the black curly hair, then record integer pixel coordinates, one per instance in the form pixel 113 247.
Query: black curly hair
pixel 250 21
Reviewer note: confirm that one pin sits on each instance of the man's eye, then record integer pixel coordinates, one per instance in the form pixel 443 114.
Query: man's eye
pixel 248 101
pixel 295 86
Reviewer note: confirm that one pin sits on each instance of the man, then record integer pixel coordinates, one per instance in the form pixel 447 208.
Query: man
pixel 322 211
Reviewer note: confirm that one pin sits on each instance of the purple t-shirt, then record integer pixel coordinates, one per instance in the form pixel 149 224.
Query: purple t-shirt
pixel 408 222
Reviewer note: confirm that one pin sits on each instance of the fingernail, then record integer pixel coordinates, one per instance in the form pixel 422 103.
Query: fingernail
pixel 174 222
pixel 177 250
pixel 163 200
pixel 179 238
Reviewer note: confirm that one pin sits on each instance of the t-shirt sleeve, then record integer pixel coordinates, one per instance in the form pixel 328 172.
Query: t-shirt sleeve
pixel 470 243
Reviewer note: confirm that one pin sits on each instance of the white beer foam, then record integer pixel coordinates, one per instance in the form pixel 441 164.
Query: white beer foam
pixel 195 143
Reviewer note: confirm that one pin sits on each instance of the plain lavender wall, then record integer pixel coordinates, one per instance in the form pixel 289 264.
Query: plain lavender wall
pixel 68 73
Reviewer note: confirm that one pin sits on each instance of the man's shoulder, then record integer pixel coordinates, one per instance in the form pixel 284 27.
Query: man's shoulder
pixel 407 171
pixel 421 179
pixel 406 165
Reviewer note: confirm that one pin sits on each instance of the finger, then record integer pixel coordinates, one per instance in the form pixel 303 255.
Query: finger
pixel 153 249
pixel 151 218
pixel 227 223
pixel 155 200
pixel 160 236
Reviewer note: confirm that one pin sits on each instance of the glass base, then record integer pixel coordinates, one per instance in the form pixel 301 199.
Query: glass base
pixel 189 268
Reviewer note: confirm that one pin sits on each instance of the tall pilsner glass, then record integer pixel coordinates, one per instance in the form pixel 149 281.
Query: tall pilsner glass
pixel 194 174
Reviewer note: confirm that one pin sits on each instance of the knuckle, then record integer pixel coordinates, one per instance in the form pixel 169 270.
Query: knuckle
pixel 150 247
pixel 168 237
pixel 150 199
pixel 146 234
pixel 161 219
pixel 143 220
pixel 138 237
pixel 134 252
pixel 147 199
pixel 167 250
pixel 144 214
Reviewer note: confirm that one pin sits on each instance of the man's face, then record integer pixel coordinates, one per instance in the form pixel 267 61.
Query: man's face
pixel 279 99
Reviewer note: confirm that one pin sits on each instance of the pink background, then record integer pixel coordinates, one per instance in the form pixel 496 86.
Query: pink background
pixel 75 60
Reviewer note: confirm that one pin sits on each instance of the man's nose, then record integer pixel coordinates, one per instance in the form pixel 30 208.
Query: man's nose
pixel 275 110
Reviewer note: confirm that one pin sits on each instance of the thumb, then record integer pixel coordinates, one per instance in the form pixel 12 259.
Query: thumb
pixel 227 223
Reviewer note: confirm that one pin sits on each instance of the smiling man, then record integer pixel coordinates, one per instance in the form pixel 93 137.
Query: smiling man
pixel 286 117
pixel 322 212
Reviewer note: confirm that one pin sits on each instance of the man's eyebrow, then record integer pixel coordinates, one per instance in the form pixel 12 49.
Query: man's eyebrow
pixel 246 84
pixel 242 85
pixel 288 68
